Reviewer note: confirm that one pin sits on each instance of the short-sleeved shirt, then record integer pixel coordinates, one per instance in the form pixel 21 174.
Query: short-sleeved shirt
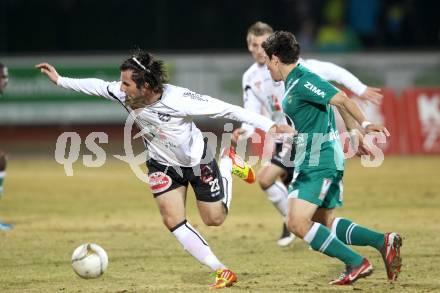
pixel 306 102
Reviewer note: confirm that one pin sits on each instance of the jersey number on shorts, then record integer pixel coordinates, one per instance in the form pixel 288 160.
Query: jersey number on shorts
pixel 214 185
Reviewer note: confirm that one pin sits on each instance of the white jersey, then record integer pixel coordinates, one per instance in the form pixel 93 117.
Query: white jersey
pixel 171 136
pixel 263 95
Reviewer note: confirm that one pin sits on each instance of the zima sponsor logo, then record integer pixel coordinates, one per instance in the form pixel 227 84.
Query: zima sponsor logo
pixel 159 181
pixel 314 89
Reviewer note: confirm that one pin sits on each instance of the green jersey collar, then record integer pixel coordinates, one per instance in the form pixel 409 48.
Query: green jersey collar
pixel 293 75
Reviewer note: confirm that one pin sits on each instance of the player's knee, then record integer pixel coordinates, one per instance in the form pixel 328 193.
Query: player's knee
pixel 297 225
pixel 291 225
pixel 264 181
pixel 214 220
pixel 171 221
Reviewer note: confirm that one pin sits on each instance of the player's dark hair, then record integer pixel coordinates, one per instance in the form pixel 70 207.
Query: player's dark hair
pixel 2 65
pixel 283 45
pixel 146 69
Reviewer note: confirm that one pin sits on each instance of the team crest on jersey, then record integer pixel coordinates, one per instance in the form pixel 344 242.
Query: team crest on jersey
pixel 159 182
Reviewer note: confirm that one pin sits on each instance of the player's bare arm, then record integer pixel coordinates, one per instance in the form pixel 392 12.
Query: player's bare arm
pixel 341 100
pixel 355 134
pixel 49 70
pixel 349 120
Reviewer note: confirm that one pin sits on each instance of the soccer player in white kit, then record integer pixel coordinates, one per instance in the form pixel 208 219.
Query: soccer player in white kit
pixel 178 154
pixel 263 95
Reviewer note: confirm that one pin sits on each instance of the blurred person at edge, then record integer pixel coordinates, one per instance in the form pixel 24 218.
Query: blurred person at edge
pixel 4 78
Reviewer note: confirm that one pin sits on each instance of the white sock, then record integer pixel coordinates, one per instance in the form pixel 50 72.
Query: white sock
pixel 334 225
pixel 225 167
pixel 277 194
pixel 194 243
pixel 312 233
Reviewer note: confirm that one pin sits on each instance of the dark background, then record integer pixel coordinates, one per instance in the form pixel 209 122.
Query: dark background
pixel 165 25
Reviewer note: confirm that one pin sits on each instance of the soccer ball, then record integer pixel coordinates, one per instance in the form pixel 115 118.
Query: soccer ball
pixel 89 260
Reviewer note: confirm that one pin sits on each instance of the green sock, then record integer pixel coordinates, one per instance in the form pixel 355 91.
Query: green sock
pixel 321 239
pixel 353 234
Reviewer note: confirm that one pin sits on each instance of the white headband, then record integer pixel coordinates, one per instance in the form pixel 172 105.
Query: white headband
pixel 139 63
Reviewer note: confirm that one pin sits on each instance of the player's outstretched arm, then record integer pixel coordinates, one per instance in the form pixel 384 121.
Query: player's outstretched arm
pixel 350 122
pixel 49 70
pixel 373 95
pixel 89 86
pixel 333 72
pixel 215 108
pixel 354 132
pixel 341 100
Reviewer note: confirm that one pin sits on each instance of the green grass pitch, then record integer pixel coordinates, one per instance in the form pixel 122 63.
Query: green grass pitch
pixel 52 214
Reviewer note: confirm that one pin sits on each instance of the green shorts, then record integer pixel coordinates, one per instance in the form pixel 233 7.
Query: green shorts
pixel 322 187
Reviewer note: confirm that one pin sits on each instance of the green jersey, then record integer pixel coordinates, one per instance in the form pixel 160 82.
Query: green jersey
pixel 306 103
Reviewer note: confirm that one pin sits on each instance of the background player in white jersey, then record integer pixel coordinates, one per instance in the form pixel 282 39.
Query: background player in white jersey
pixel 4 78
pixel 263 95
pixel 178 154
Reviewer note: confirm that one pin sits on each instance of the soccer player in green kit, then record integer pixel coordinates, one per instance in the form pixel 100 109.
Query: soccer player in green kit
pixel 319 160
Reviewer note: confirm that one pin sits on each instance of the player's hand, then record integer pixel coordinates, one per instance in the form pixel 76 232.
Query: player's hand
pixel 372 95
pixel 283 128
pixel 236 135
pixel 362 147
pixel 49 70
pixel 377 128
pixel 281 131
